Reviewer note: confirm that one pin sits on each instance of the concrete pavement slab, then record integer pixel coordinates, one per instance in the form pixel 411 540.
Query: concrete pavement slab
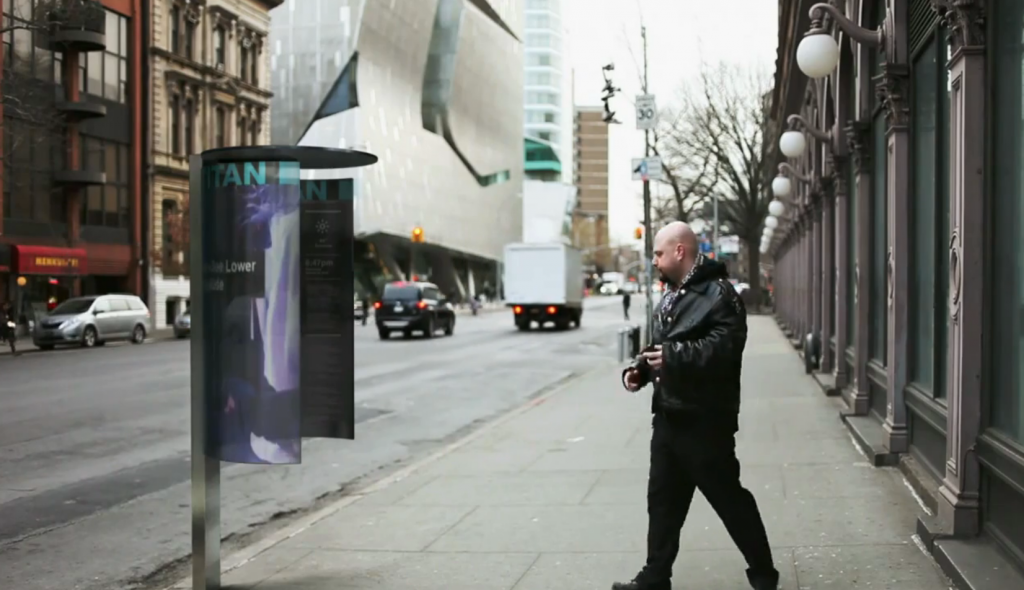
pixel 879 567
pixel 505 489
pixel 694 569
pixel 505 529
pixel 554 497
pixel 375 528
pixel 334 570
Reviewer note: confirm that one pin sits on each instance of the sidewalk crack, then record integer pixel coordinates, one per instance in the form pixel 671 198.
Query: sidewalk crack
pixel 449 529
pixel 526 571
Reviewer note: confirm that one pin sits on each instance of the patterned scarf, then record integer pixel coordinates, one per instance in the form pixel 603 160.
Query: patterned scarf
pixel 671 295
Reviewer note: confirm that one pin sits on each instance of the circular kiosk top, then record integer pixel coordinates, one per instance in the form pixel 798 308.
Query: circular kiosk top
pixel 309 158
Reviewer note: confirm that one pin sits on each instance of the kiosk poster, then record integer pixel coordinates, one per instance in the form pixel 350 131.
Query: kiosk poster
pixel 328 389
pixel 251 332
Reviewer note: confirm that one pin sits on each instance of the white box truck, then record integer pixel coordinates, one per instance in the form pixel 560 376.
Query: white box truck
pixel 544 284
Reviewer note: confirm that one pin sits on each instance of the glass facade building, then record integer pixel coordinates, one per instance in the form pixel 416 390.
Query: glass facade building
pixel 432 87
pixel 548 115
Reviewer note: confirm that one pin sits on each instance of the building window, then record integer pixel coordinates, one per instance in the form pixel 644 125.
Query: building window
pixel 219 46
pixel 21 53
pixel 542 59
pixel 254 68
pixel 538 21
pixel 175 117
pixel 105 73
pixel 189 128
pixel 169 209
pixel 32 153
pixel 930 216
pixel 175 32
pixel 241 131
pixel 220 125
pixel 106 205
pixel 541 98
pixel 243 61
pixel 344 94
pixel 254 135
pixel 1007 203
pixel 190 35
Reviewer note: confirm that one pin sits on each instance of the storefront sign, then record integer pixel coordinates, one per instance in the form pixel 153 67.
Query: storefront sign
pixel 45 260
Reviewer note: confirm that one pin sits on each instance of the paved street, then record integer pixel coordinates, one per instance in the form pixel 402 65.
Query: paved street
pixel 94 443
pixel 552 496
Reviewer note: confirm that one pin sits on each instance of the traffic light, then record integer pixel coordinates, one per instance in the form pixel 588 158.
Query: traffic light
pixel 638 233
pixel 417 235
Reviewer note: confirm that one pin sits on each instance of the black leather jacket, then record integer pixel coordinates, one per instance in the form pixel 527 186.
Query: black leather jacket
pixel 702 335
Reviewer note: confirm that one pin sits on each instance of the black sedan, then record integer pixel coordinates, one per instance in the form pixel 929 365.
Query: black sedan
pixel 413 307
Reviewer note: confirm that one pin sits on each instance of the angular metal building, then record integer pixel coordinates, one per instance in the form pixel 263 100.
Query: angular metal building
pixel 435 89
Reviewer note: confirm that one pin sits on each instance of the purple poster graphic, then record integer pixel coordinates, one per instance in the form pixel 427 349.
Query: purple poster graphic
pixel 251 333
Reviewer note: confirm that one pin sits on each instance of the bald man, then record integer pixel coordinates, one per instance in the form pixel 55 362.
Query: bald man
pixel 694 365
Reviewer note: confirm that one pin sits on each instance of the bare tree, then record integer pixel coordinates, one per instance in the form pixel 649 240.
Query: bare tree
pixel 690 171
pixel 723 118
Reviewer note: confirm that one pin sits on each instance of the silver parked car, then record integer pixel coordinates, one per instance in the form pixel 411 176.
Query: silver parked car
pixel 94 320
pixel 183 324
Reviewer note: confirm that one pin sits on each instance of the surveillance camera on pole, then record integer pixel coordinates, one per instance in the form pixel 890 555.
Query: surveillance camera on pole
pixel 609 91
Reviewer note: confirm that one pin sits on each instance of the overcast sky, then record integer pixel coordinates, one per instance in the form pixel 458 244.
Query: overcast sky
pixel 680 34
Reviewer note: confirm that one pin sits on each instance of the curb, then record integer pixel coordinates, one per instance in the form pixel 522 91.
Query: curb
pixel 243 556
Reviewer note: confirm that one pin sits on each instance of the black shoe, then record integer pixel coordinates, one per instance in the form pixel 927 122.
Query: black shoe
pixel 642 581
pixel 763 580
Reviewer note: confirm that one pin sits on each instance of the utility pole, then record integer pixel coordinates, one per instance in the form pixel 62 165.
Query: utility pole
pixel 648 238
pixel 714 231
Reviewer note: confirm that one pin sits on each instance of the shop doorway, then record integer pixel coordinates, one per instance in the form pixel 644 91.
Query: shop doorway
pixel 40 294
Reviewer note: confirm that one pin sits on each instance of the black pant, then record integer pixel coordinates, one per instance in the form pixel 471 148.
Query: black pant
pixel 687 454
pixel 625 311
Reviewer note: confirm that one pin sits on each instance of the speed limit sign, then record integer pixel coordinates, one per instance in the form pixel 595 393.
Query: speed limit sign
pixel 646 112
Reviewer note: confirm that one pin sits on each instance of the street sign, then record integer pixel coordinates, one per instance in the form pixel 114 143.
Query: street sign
pixel 647 168
pixel 729 244
pixel 646 112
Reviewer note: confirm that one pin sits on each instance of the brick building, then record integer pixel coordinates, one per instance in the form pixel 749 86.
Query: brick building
pixel 71 166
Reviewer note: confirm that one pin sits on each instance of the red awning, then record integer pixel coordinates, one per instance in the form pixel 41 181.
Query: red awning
pixel 47 260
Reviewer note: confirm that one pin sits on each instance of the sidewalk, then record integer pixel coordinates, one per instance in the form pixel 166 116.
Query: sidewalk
pixel 25 346
pixel 553 497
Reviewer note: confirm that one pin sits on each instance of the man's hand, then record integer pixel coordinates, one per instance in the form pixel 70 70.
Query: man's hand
pixel 632 379
pixel 653 357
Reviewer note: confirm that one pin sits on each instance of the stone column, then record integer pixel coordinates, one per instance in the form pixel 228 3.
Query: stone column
pixel 826 262
pixel 859 135
pixel 808 282
pixel 959 493
pixel 801 282
pixel 843 258
pixel 817 285
pixel 894 92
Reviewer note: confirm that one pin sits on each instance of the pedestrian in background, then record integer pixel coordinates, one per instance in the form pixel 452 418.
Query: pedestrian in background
pixel 8 329
pixel 625 304
pixel 694 365
pixel 366 309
